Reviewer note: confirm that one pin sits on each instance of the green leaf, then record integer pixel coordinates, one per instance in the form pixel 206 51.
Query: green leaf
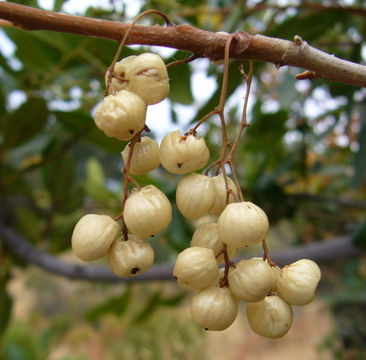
pixel 59 179
pixel 180 87
pixel 266 128
pixel 308 25
pixel 61 230
pixel 35 50
pixel 24 123
pixel 116 305
pixel 234 81
pixel 174 300
pixel 95 182
pixel 29 224
pixel 359 235
pixel 95 172
pixel 179 232
pixel 58 5
pixel 81 122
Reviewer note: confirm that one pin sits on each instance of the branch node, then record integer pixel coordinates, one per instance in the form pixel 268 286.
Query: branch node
pixel 308 74
pixel 298 40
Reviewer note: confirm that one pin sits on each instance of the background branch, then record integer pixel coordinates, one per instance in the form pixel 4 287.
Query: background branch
pixel 201 43
pixel 323 252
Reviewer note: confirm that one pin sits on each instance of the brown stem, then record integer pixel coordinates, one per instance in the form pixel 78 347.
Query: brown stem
pixel 228 264
pixel 266 254
pixel 194 129
pixel 236 182
pixel 183 61
pixel 128 180
pixel 199 42
pixel 243 125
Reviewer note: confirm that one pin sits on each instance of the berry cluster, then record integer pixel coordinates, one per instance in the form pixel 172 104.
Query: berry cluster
pixel 269 290
pixel 137 81
pixel 132 84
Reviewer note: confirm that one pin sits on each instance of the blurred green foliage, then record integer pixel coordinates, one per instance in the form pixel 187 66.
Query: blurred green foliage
pixel 55 165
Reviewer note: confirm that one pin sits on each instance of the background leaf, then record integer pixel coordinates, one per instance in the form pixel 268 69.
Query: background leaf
pixel 24 123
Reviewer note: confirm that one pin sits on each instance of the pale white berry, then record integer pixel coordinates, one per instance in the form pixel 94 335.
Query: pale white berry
pixel 271 317
pixel 93 236
pixel 145 156
pixel 182 154
pixel 251 279
pixel 121 116
pixel 119 81
pixel 195 195
pixel 196 268
pixel 242 223
pixel 298 282
pixel 220 194
pixel 131 257
pixel 276 273
pixel 207 236
pixel 147 77
pixel 214 308
pixel 147 212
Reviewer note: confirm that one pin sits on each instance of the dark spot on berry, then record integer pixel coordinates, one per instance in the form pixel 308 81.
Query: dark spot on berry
pixel 131 131
pixel 179 165
pixel 135 270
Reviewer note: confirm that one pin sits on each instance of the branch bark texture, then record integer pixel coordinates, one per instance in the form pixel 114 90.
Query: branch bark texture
pixel 323 252
pixel 202 43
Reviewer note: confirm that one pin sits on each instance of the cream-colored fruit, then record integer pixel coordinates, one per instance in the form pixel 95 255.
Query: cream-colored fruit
pixel 207 236
pixel 195 195
pixel 276 273
pixel 242 223
pixel 182 154
pixel 119 81
pixel 147 77
pixel 214 308
pixel 131 257
pixel 220 194
pixel 93 236
pixel 251 279
pixel 271 317
pixel 196 268
pixel 145 156
pixel 121 116
pixel 298 282
pixel 147 212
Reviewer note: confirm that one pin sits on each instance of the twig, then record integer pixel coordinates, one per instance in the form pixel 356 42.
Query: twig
pixel 128 179
pixel 199 42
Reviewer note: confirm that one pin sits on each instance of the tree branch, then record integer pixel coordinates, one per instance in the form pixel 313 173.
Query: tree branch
pixel 323 252
pixel 201 43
